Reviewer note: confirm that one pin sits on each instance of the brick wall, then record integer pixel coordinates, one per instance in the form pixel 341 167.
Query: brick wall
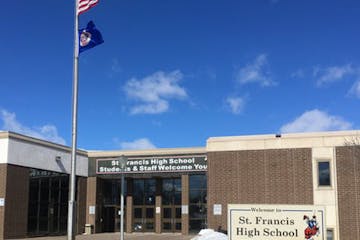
pixel 279 176
pixel 91 201
pixel 3 168
pixel 81 204
pixel 16 200
pixel 348 185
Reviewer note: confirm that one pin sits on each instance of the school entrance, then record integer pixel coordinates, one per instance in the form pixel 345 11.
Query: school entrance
pixel 155 201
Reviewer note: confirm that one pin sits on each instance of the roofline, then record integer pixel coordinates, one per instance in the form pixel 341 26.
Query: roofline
pixel 45 143
pixel 347 133
pixel 146 152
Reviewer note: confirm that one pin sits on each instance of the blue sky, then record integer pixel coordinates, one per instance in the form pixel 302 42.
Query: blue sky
pixel 174 73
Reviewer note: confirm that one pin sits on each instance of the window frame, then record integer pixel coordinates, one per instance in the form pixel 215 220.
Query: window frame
pixel 333 232
pixel 325 160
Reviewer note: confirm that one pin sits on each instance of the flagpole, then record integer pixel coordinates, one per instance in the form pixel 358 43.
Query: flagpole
pixel 72 204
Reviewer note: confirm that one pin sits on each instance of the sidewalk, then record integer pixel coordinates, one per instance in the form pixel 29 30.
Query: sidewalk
pixel 116 236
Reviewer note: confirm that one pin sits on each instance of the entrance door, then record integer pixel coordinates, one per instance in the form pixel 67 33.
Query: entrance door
pixel 171 202
pixel 48 196
pixel 144 219
pixel 108 219
pixel 144 205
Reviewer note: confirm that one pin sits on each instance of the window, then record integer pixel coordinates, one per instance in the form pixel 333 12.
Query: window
pixel 324 173
pixel 197 202
pixel 329 234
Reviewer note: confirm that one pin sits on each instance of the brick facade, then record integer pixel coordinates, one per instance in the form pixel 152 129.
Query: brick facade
pixel 16 200
pixel 3 174
pixel 91 201
pixel 81 204
pixel 348 185
pixel 279 176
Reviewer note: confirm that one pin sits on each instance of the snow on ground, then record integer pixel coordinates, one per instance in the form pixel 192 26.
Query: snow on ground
pixel 210 234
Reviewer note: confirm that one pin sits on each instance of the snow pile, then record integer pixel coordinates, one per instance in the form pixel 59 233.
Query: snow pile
pixel 209 234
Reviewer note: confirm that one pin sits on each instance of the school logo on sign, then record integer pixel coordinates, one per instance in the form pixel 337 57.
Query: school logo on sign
pixel 312 229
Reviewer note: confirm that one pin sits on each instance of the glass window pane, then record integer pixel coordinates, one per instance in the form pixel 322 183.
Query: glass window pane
pixel 197 211
pixel 137 212
pixel 177 198
pixel 138 194
pixel 43 224
pixel 167 213
pixel 324 173
pixel 329 234
pixel 166 226
pixel 150 186
pixel 177 184
pixel 166 198
pixel 149 212
pixel 44 190
pixel 177 212
pixel 150 200
pixel 33 210
pixel 194 196
pixel 150 226
pixel 32 224
pixel 195 225
pixel 197 181
pixel 34 190
pixel 167 185
pixel 63 210
pixel 178 226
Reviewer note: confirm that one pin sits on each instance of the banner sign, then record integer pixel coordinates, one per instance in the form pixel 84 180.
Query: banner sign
pixel 267 222
pixel 153 164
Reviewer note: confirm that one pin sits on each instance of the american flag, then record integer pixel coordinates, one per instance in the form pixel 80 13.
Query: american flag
pixel 84 5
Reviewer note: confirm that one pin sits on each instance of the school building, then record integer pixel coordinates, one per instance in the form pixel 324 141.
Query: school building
pixel 180 189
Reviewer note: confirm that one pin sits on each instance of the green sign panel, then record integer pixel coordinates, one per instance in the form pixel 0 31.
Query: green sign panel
pixel 155 164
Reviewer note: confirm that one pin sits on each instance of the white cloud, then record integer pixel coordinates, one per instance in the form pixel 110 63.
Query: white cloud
pixel 298 74
pixel 153 92
pixel 236 104
pixel 47 132
pixel 315 120
pixel 355 89
pixel 142 143
pixel 332 74
pixel 255 73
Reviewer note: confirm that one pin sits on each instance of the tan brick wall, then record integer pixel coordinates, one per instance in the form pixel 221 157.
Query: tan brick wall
pixel 81 204
pixel 348 185
pixel 129 206
pixel 16 201
pixel 3 168
pixel 185 201
pixel 279 176
pixel 91 201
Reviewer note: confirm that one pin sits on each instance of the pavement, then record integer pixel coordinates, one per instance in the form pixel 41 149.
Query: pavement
pixel 116 236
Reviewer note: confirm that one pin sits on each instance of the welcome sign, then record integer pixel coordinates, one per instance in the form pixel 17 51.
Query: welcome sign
pixel 153 164
pixel 267 222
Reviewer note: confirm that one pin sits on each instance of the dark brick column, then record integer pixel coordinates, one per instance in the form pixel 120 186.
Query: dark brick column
pixel 14 188
pixel 81 204
pixel 185 202
pixel 91 201
pixel 129 206
pixel 158 205
pixel 348 185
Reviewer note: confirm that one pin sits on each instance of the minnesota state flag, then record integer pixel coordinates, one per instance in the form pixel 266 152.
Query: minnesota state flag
pixel 89 37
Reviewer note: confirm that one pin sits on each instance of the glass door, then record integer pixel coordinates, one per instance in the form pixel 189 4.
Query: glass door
pixel 144 205
pixel 171 202
pixel 48 196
